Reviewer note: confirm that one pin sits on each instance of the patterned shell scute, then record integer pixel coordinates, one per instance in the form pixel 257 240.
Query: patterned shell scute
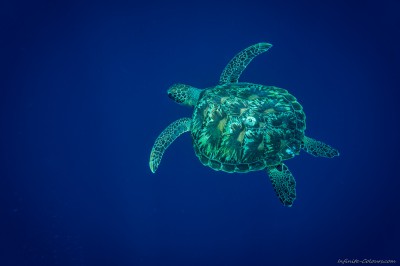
pixel 242 127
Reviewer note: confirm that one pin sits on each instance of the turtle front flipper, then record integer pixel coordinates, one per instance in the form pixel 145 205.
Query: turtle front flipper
pixel 165 139
pixel 283 183
pixel 318 148
pixel 236 66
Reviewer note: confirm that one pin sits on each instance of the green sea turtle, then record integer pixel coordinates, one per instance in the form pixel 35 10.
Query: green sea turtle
pixel 239 127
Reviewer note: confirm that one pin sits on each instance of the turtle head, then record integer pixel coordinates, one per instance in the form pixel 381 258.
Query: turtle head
pixel 184 94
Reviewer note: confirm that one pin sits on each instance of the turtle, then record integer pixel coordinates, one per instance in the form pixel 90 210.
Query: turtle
pixel 239 127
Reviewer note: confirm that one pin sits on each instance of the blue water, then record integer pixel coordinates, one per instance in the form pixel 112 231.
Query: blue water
pixel 83 97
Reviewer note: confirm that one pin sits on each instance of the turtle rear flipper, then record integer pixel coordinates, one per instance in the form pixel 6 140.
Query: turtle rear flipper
pixel 165 139
pixel 318 148
pixel 283 183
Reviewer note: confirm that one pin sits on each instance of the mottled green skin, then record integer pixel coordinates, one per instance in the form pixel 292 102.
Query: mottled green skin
pixel 318 148
pixel 184 94
pixel 242 127
pixel 239 62
pixel 283 182
pixel 165 139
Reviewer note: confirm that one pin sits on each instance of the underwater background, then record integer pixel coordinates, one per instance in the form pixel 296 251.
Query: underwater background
pixel 83 97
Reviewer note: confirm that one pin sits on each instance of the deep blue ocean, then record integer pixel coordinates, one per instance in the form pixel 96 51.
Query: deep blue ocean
pixel 83 98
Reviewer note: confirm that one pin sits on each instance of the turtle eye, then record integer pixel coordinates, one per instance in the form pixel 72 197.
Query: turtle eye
pixel 176 96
